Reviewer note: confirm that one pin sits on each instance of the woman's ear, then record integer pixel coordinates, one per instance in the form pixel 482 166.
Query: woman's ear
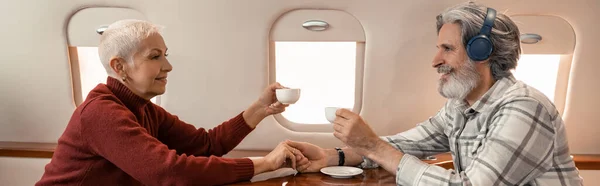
pixel 118 66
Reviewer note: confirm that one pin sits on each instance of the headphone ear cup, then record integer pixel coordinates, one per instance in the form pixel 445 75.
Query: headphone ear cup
pixel 479 48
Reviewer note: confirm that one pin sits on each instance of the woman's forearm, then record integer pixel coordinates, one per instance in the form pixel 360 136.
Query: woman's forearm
pixel 254 114
pixel 260 166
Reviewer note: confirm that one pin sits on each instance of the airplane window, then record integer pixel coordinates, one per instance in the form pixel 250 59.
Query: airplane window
pixel 539 71
pixel 325 73
pixel 91 71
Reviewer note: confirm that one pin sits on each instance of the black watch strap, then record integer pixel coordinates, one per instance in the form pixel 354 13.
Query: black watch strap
pixel 341 156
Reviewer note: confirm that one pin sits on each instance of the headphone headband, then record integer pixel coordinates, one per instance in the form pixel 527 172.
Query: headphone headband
pixel 486 29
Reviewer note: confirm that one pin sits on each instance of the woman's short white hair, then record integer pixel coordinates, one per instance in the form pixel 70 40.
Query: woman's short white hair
pixel 122 38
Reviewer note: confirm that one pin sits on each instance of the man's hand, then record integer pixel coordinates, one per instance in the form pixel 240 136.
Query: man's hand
pixel 351 129
pixel 266 105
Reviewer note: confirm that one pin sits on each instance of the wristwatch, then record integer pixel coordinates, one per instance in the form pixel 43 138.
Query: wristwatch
pixel 341 155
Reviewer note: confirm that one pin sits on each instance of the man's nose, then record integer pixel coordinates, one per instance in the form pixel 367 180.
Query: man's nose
pixel 437 60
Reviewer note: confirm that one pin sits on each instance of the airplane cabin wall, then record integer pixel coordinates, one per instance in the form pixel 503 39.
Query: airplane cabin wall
pixel 219 50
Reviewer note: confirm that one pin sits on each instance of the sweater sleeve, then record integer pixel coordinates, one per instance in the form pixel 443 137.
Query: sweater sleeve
pixel 111 131
pixel 185 138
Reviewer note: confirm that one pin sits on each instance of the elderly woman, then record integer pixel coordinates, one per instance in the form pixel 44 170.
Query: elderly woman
pixel 118 137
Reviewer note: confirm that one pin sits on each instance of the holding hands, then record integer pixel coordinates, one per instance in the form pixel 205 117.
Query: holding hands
pixel 316 157
pixel 282 156
pixel 351 129
pixel 348 127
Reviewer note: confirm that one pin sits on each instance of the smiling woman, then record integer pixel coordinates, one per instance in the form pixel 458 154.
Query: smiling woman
pixel 117 137
pixel 144 69
pixel 87 72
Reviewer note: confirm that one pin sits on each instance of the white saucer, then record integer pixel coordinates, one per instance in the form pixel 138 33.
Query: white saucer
pixel 341 171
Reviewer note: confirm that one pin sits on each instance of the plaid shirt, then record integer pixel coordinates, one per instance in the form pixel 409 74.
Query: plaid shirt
pixel 513 135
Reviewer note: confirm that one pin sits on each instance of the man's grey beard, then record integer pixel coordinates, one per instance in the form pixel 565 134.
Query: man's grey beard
pixel 460 82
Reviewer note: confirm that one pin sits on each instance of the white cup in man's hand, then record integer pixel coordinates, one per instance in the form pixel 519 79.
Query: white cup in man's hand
pixel 288 95
pixel 330 113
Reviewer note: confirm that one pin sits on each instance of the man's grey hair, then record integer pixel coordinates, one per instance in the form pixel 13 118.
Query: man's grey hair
pixel 122 38
pixel 504 36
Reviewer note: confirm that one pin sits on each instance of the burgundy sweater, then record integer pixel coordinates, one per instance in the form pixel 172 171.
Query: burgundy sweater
pixel 118 138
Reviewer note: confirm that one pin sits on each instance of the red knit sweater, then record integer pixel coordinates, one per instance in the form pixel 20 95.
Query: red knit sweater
pixel 118 138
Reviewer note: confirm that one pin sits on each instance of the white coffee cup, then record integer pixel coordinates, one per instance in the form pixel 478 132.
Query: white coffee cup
pixel 330 113
pixel 288 95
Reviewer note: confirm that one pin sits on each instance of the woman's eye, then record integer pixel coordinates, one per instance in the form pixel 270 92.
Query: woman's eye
pixel 166 54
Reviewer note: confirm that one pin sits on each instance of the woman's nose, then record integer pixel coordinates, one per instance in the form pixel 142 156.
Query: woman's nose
pixel 167 66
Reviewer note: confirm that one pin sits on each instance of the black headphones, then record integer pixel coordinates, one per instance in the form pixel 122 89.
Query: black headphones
pixel 480 47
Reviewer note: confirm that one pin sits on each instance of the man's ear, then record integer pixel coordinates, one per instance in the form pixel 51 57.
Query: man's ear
pixel 483 63
pixel 483 66
pixel 118 65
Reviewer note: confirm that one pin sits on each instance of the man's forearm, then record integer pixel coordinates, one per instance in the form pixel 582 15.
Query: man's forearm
pixel 351 158
pixel 385 155
pixel 382 153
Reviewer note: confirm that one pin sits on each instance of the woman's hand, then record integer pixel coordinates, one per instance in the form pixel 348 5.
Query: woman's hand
pixel 268 101
pixel 316 156
pixel 266 105
pixel 282 156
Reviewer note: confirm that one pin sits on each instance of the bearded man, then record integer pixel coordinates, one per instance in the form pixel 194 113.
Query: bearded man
pixel 499 130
